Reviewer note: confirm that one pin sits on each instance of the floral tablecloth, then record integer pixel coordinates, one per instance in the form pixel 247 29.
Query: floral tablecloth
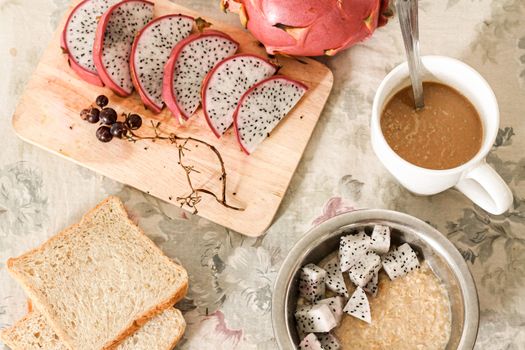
pixel 231 276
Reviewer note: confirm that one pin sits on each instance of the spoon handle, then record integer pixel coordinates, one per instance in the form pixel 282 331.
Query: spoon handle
pixel 408 19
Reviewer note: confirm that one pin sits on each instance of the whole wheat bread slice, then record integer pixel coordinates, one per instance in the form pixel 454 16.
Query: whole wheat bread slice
pixel 98 281
pixel 33 332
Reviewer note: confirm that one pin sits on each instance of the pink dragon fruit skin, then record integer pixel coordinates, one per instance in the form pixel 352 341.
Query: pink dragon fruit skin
pixel 309 27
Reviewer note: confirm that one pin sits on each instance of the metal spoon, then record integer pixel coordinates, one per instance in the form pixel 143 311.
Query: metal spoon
pixel 407 12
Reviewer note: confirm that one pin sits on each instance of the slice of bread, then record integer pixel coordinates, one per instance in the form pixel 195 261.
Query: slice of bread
pixel 32 332
pixel 98 281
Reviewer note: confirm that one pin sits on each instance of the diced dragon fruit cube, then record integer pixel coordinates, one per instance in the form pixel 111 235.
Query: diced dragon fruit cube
pixel 351 248
pixel 334 277
pixel 336 306
pixel 315 319
pixel 312 282
pixel 310 342
pixel 380 239
pixel 358 306
pixel 400 261
pixel 329 342
pixel 363 270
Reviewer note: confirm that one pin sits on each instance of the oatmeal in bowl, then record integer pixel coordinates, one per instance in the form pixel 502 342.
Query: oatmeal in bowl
pixel 375 279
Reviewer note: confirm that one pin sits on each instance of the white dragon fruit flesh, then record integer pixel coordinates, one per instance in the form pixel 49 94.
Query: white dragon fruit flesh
pixel 310 342
pixel 364 269
pixel 351 248
pixel 328 342
pixel 336 305
pixel 380 239
pixel 114 37
pixel 334 277
pixel 400 261
pixel 316 318
pixel 262 107
pixel 225 84
pixel 358 306
pixel 150 52
pixel 312 282
pixel 373 285
pixel 187 66
pixel 78 37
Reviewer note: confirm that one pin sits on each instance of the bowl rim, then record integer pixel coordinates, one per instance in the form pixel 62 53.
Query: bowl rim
pixel 442 246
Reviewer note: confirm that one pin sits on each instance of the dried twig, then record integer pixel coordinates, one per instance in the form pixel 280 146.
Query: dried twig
pixel 194 198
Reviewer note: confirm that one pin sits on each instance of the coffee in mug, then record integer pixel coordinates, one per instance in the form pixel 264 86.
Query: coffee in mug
pixel 468 172
pixel 446 133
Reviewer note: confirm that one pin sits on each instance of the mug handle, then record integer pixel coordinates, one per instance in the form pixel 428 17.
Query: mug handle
pixel 486 188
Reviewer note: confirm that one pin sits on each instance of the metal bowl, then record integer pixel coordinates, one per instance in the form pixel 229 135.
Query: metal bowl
pixel 444 259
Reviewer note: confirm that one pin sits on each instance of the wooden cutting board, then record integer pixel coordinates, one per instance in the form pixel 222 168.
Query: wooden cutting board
pixel 48 116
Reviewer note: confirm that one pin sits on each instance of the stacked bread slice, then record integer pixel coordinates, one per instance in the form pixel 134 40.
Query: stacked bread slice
pixel 99 284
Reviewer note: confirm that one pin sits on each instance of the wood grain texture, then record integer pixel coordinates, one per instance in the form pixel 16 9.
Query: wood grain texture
pixel 48 116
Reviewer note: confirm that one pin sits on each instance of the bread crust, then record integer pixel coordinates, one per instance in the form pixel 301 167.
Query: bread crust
pixel 39 300
pixel 5 333
pixel 6 338
pixel 181 333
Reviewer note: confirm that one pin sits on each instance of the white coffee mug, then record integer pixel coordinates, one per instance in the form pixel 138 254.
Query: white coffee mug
pixel 476 179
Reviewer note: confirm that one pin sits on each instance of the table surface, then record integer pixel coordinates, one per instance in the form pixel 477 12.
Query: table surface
pixel 231 276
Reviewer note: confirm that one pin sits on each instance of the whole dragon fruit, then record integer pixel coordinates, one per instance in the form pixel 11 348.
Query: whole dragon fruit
pixel 310 27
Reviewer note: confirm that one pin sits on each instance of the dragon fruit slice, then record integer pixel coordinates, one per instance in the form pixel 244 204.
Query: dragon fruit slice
pixel 351 248
pixel 373 285
pixel 187 66
pixel 328 342
pixel 380 239
pixel 315 319
pixel 78 37
pixel 358 306
pixel 114 37
pixel 310 342
pixel 262 107
pixel 336 306
pixel 400 261
pixel 363 270
pixel 334 277
pixel 150 52
pixel 312 282
pixel 226 83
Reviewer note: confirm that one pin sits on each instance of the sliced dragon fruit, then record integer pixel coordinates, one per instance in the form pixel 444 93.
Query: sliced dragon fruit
pixel 114 37
pixel 310 342
pixel 364 269
pixel 315 319
pixel 352 248
pixel 334 277
pixel 380 239
pixel 312 282
pixel 150 52
pixel 78 37
pixel 400 261
pixel 373 285
pixel 336 306
pixel 225 84
pixel 188 64
pixel 358 306
pixel 262 107
pixel 328 342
